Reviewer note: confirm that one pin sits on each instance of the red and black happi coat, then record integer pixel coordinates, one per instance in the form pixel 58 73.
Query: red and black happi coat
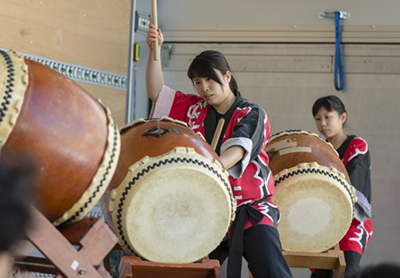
pixel 246 125
pixel 356 158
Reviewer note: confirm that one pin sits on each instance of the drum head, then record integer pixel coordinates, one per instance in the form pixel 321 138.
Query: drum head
pixel 177 208
pixel 316 205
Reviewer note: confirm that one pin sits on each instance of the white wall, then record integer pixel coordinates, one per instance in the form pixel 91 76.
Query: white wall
pixel 275 12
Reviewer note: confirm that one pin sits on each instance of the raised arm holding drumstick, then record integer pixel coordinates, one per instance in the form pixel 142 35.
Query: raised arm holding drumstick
pixel 245 130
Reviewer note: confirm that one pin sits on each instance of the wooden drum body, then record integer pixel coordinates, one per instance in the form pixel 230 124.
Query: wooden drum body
pixel 170 200
pixel 313 191
pixel 70 136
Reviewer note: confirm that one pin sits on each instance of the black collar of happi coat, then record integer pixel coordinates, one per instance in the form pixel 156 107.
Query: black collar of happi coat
pixel 212 118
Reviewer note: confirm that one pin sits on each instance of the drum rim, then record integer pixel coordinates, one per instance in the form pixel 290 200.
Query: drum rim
pixel 15 72
pixel 102 177
pixel 297 131
pixel 163 118
pixel 117 206
pixel 142 120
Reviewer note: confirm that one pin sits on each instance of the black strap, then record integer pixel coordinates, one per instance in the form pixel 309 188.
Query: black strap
pixel 236 237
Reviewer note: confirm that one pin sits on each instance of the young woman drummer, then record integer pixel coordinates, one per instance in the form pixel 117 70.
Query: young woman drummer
pixel 254 233
pixel 330 116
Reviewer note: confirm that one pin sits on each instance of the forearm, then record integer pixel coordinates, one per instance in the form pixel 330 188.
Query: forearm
pixel 231 156
pixel 154 77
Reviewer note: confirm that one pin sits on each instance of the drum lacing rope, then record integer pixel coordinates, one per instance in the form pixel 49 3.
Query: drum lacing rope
pixel 77 214
pixel 10 84
pixel 152 167
pixel 317 171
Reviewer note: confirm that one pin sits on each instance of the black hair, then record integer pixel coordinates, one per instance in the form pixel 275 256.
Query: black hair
pixel 15 180
pixel 330 103
pixel 205 64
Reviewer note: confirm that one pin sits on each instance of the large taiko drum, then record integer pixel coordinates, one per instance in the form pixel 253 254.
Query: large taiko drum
pixel 71 136
pixel 313 191
pixel 170 200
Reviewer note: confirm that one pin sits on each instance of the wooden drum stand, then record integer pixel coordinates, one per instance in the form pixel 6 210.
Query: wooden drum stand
pixel 134 267
pixel 95 240
pixel 62 259
pixel 331 259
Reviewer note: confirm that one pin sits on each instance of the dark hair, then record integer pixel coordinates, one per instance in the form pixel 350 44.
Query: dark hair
pixel 330 103
pixel 387 270
pixel 205 64
pixel 15 179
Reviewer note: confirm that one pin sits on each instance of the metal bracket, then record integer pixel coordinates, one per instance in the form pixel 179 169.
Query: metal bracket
pixel 142 21
pixel 166 51
pixel 325 15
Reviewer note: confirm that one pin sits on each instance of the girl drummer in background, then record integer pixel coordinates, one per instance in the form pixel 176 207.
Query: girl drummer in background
pixel 330 116
pixel 254 233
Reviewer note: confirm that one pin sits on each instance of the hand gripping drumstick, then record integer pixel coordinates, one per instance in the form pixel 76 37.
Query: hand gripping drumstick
pixel 217 133
pixel 156 51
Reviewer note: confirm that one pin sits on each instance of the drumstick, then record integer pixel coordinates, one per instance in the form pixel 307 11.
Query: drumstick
pixel 217 133
pixel 156 51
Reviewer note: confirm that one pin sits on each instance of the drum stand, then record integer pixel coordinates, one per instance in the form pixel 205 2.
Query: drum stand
pixel 134 267
pixel 331 259
pixel 93 236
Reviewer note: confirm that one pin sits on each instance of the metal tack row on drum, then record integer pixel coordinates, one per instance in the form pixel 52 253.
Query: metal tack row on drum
pixel 313 191
pixel 161 186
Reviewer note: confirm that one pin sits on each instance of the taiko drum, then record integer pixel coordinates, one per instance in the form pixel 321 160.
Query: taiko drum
pixel 70 136
pixel 313 191
pixel 170 199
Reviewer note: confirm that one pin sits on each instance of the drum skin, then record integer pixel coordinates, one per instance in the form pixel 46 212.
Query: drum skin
pixel 290 149
pixel 135 146
pixel 64 130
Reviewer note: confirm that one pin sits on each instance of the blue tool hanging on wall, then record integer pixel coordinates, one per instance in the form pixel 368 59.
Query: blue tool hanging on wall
pixel 338 58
